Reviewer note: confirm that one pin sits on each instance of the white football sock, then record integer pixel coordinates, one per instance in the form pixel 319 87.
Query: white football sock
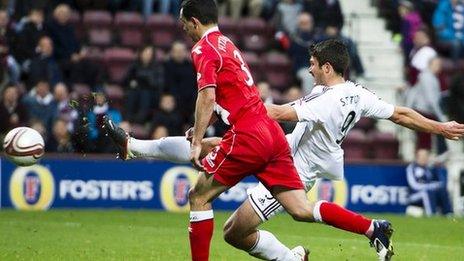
pixel 268 247
pixel 174 149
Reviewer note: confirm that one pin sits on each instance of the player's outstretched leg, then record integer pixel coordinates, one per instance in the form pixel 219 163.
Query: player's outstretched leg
pixel 201 215
pixel 173 149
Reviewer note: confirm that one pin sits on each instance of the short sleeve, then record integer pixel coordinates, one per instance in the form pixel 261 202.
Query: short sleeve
pixel 376 107
pixel 312 108
pixel 207 63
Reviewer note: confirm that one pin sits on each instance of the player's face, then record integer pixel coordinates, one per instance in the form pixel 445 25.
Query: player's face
pixel 316 71
pixel 189 27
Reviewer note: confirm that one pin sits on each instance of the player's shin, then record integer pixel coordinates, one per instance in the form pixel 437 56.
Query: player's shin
pixel 174 149
pixel 339 217
pixel 268 247
pixel 200 234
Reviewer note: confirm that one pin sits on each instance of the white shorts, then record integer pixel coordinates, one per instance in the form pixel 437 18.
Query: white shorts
pixel 264 204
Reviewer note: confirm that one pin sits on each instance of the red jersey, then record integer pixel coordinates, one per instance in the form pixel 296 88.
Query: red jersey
pixel 219 64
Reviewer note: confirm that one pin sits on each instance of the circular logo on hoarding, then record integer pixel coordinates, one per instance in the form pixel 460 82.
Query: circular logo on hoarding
pixel 32 188
pixel 331 190
pixel 175 185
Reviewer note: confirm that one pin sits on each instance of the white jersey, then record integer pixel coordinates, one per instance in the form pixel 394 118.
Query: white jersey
pixel 325 116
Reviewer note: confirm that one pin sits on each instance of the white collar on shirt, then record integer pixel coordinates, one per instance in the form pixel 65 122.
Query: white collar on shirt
pixel 210 30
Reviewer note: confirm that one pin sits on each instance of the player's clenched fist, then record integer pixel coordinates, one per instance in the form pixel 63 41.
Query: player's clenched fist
pixel 452 130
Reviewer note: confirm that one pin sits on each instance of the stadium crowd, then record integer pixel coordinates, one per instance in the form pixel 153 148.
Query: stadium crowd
pixel 65 64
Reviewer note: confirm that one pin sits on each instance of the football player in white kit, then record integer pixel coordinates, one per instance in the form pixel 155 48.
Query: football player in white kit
pixel 324 118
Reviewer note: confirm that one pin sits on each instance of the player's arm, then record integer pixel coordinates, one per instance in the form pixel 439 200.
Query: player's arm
pixel 283 112
pixel 203 113
pixel 411 119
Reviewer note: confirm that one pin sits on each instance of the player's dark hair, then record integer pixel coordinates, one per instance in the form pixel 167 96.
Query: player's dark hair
pixel 333 52
pixel 205 11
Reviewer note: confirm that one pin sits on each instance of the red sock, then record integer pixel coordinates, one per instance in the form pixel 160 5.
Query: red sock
pixel 200 234
pixel 339 217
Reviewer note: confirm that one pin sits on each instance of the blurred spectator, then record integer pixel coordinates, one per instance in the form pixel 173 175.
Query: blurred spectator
pixel 420 55
pixel 43 65
pixel 62 33
pixel 448 21
pixel 181 79
pixel 144 84
pixel 126 126
pixel 426 187
pixel 166 6
pixel 456 98
pixel 300 41
pixel 264 90
pixel 424 97
pixel 38 125
pixel 60 141
pixel 12 112
pixel 410 24
pixel 234 8
pixel 292 94
pixel 285 14
pixel 95 119
pixel 9 69
pixel 65 110
pixel 325 12
pixel 332 31
pixel 81 70
pixel 168 116
pixel 32 29
pixel 41 105
pixel 159 132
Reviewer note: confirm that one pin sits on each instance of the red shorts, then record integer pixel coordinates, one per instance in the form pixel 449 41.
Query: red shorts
pixel 257 147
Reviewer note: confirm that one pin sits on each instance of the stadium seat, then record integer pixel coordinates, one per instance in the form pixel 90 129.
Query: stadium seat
pixel 365 124
pixel 356 145
pixel 99 37
pixel 278 80
pixel 139 131
pixel 253 25
pixel 115 95
pixel 162 39
pixel 255 43
pixel 228 25
pixel 95 54
pixel 97 19
pixel 129 26
pixel 384 145
pixel 254 63
pixel 161 22
pixel 277 62
pixel 117 61
pixel 81 90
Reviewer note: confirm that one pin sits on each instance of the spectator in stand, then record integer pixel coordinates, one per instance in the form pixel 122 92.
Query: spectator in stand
pixel 38 125
pixel 411 22
pixel 41 105
pixel 325 12
pixel 448 21
pixel 9 68
pixel 456 98
pixel 168 116
pixel 81 70
pixel 60 140
pixel 424 97
pixel 32 29
pixel 305 36
pixel 332 32
pixel 62 33
pixel 95 120
pixel 144 84
pixel 234 8
pixel 181 79
pixel 12 112
pixel 65 111
pixel 284 17
pixel 43 65
pixel 420 55
pixel 159 132
pixel 427 185
pixel 264 90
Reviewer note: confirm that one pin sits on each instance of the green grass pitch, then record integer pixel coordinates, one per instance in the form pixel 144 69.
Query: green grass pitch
pixel 149 235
